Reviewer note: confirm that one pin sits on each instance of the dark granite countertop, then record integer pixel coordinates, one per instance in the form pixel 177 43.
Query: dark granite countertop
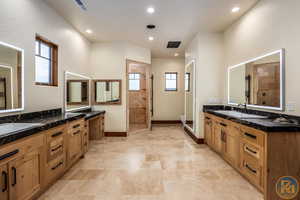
pixel 268 124
pixel 90 114
pixel 17 127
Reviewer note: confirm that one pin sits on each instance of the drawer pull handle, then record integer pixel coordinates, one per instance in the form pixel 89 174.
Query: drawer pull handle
pixel 9 154
pixel 55 149
pixel 77 132
pixel 222 124
pixel 76 126
pixel 249 168
pixel 59 164
pixel 14 171
pixel 250 150
pixel 57 134
pixel 250 136
pixel 5 180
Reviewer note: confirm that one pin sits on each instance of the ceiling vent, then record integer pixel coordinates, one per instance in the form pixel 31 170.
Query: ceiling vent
pixel 151 26
pixel 81 4
pixel 173 44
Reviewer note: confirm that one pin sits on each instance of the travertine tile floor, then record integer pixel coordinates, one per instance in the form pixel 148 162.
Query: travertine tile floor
pixel 163 164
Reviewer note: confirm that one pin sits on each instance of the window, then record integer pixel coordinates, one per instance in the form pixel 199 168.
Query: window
pixel 171 81
pixel 187 80
pixel 134 81
pixel 45 62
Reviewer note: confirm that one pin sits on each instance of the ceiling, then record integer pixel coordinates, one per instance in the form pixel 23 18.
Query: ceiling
pixel 126 20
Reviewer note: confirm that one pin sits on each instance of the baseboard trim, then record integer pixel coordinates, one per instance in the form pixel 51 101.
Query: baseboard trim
pixel 197 140
pixel 115 134
pixel 166 122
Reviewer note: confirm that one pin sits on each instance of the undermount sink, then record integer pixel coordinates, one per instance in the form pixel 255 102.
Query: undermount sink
pixel 15 127
pixel 240 115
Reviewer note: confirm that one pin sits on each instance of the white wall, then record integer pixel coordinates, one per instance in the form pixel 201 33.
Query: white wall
pixel 20 21
pixel 108 61
pixel 167 105
pixel 207 49
pixel 269 26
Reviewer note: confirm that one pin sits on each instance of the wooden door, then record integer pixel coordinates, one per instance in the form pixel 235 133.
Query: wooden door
pixel 217 137
pixel 25 179
pixel 208 132
pixel 4 185
pixel 74 146
pixel 231 147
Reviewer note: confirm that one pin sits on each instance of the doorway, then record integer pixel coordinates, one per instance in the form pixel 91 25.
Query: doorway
pixel 138 96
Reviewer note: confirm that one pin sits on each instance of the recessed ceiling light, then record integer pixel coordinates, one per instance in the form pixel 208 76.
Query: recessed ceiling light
pixel 89 31
pixel 235 9
pixel 176 54
pixel 150 10
pixel 150 38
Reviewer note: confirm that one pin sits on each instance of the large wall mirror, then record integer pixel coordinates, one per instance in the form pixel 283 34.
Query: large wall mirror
pixel 11 78
pixel 190 95
pixel 258 82
pixel 77 95
pixel 108 92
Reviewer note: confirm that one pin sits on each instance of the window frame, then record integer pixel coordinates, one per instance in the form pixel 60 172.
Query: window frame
pixel 53 61
pixel 171 73
pixel 134 79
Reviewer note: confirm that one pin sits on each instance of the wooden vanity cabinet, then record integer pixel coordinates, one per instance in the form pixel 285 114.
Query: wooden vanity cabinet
pixel 25 176
pixel 208 131
pixel 75 141
pixel 231 144
pixel 22 169
pixel 96 127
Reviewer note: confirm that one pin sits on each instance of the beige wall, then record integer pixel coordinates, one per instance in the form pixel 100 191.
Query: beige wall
pixel 207 50
pixel 270 25
pixel 20 21
pixel 167 105
pixel 108 61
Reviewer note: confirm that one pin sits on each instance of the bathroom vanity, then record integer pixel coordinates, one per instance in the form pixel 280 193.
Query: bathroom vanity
pixel 261 148
pixel 36 149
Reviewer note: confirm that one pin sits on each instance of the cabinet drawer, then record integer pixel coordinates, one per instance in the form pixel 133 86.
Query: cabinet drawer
pixel 55 148
pixel 14 149
pixel 55 168
pixel 251 168
pixel 75 126
pixel 253 136
pixel 252 150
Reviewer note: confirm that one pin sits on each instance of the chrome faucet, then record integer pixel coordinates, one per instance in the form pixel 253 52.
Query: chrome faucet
pixel 244 106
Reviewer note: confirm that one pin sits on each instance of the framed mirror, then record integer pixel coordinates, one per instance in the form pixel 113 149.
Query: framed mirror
pixel 77 92
pixel 108 92
pixel 11 78
pixel 259 82
pixel 190 92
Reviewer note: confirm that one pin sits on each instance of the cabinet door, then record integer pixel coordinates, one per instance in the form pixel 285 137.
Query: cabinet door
pixel 25 176
pixel 74 146
pixel 208 132
pixel 231 146
pixel 4 182
pixel 217 137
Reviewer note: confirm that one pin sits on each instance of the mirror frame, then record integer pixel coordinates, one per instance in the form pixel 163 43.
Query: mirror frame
pixel 193 130
pixel 282 81
pixel 65 92
pixel 22 76
pixel 106 80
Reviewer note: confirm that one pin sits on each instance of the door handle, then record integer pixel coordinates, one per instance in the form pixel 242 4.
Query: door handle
pixel 5 179
pixel 14 171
